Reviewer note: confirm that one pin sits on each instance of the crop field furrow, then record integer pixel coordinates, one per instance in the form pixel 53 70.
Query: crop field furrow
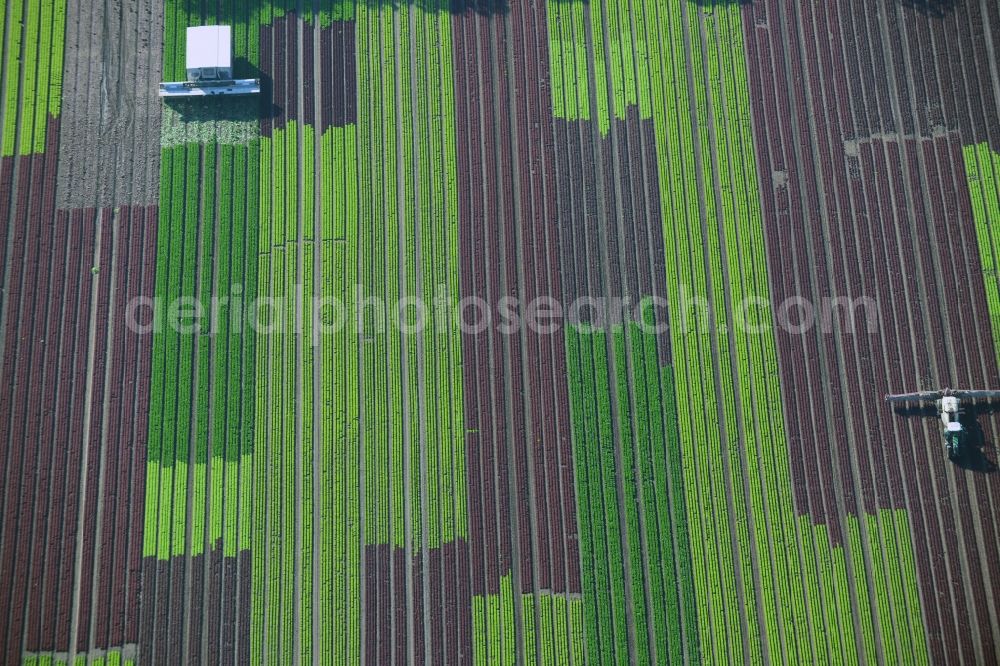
pixel 31 82
pixel 109 154
pixel 525 250
pixel 493 331
pixel 193 499
pixel 982 167
pixel 775 484
pixel 66 253
pixel 930 158
pixel 54 253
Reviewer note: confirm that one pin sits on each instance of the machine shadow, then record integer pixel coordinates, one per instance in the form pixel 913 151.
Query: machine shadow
pixel 917 410
pixel 978 451
pixel 704 4
pixel 715 3
pixel 932 8
pixel 231 107
pixel 237 12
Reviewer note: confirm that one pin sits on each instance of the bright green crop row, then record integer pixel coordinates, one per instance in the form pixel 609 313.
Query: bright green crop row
pixel 198 395
pixel 328 364
pixel 34 42
pixel 246 19
pixel 309 476
pixel 493 635
pixel 111 658
pixel 659 463
pixel 554 636
pixel 205 258
pixel 436 232
pixel 720 280
pixel 259 538
pixel 284 397
pixel 605 494
pixel 12 75
pixel 650 467
pixel 33 30
pixel 279 191
pixel 733 444
pixel 407 203
pixel 310 356
pixel 982 167
pixel 629 479
pixel 173 378
pixel 378 267
pixel 274 455
pixel 206 249
pixel 597 573
pixel 692 355
pixel 616 85
pixel 386 219
pixel 794 604
pixel 738 238
pixel 672 61
pixel 341 446
pixel 236 343
pixel 602 580
pixel 568 59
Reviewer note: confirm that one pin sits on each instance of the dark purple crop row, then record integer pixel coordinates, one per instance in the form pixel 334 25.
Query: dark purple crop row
pixel 862 215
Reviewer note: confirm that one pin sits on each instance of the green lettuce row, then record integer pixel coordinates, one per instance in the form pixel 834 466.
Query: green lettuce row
pixel 650 479
pixel 982 167
pixel 409 248
pixel 554 636
pixel 736 476
pixel 34 40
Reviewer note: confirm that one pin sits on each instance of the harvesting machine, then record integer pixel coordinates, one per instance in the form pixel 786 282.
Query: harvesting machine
pixel 210 66
pixel 949 406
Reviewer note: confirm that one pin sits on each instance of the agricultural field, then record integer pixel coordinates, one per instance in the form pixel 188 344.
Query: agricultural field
pixel 500 332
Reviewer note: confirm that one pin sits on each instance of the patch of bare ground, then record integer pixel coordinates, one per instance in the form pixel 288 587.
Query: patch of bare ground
pixel 109 153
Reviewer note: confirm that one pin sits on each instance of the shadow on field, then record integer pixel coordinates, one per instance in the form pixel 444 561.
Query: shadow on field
pixel 704 4
pixel 708 4
pixel 237 13
pixel 481 7
pixel 917 410
pixel 932 8
pixel 978 451
pixel 233 108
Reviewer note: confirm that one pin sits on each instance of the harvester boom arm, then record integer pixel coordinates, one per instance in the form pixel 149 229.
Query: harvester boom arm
pixel 976 395
pixel 922 396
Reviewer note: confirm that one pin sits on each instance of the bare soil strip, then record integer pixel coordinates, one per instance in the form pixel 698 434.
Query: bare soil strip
pixel 103 160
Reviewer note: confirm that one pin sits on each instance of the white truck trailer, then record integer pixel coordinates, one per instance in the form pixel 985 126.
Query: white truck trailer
pixel 210 66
